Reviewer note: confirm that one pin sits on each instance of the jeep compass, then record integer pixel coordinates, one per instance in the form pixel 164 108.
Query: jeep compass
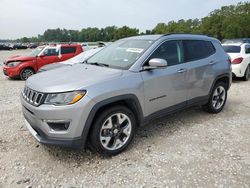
pixel 101 102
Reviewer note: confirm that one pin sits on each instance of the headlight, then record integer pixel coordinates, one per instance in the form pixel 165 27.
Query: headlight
pixel 64 98
pixel 13 64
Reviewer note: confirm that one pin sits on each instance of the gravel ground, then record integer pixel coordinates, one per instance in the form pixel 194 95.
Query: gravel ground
pixel 188 149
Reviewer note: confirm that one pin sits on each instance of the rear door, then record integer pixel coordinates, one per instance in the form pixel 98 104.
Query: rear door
pixel 166 87
pixel 201 60
pixel 67 52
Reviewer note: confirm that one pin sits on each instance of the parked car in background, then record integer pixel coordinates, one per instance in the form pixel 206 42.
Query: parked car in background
pixel 125 85
pixel 240 59
pixel 80 58
pixel 25 66
pixel 19 46
pixel 239 40
pixel 32 46
pixel 85 46
pixel 5 47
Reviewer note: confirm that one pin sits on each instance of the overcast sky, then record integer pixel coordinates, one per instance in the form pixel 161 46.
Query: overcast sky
pixel 20 18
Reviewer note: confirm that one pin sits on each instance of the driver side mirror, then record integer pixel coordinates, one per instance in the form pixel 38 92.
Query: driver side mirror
pixel 156 63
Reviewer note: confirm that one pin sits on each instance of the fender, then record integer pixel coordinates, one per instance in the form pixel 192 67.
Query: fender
pixel 127 97
pixel 226 75
pixel 27 64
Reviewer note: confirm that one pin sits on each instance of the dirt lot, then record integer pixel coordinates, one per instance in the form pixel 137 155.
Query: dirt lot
pixel 188 149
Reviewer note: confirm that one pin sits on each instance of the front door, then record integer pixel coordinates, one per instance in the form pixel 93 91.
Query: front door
pixel 166 87
pixel 50 55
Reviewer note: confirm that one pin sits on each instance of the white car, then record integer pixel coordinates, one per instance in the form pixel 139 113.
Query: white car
pixel 240 59
pixel 80 58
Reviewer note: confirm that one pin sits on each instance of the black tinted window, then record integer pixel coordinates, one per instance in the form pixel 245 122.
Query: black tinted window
pixel 68 50
pixel 247 50
pixel 170 51
pixel 232 49
pixel 197 49
pixel 50 52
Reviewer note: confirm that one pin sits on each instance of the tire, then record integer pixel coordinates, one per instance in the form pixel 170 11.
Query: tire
pixel 109 136
pixel 247 74
pixel 26 73
pixel 217 99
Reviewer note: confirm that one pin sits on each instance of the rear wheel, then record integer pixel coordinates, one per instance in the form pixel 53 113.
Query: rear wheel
pixel 26 73
pixel 247 74
pixel 113 130
pixel 217 99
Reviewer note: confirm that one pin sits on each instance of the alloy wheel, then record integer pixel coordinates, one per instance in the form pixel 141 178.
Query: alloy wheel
pixel 27 73
pixel 219 97
pixel 115 131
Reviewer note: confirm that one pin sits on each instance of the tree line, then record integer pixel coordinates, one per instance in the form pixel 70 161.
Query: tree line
pixel 227 22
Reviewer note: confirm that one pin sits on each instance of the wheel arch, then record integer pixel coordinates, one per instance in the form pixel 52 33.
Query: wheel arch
pixel 225 78
pixel 129 100
pixel 26 66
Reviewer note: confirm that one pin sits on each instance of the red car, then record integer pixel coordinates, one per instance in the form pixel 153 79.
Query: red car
pixel 25 66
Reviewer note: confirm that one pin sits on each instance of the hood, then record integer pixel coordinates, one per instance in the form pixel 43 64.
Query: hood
pixel 69 78
pixel 20 58
pixel 52 66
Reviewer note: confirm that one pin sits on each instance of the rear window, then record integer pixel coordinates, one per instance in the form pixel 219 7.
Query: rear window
pixel 68 50
pixel 197 49
pixel 232 49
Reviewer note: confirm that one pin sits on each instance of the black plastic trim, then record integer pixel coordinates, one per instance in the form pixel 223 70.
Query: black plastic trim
pixel 101 104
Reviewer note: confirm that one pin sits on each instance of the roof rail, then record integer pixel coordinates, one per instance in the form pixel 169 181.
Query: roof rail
pixel 184 34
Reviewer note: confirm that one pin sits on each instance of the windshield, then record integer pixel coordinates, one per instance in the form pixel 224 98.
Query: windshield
pixel 121 54
pixel 232 49
pixel 35 52
pixel 80 58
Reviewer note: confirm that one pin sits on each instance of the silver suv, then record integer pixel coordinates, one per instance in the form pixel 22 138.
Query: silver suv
pixel 125 85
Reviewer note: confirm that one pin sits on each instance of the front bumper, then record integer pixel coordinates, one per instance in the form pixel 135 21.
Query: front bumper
pixel 41 137
pixel 36 121
pixel 11 72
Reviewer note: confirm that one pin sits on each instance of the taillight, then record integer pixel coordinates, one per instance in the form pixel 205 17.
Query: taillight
pixel 237 60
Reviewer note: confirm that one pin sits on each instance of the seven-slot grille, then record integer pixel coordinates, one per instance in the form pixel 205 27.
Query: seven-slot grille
pixel 33 97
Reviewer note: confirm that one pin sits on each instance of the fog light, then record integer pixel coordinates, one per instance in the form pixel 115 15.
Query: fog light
pixel 58 125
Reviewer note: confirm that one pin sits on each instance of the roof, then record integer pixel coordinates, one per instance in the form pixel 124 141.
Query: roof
pixel 177 35
pixel 145 37
pixel 70 44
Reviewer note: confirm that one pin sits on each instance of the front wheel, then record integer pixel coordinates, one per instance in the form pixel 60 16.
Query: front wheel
pixel 26 73
pixel 113 130
pixel 217 99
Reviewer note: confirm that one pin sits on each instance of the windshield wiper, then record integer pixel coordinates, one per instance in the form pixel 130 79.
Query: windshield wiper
pixel 99 64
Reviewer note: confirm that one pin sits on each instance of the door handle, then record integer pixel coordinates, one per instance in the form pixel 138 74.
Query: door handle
pixel 182 70
pixel 211 62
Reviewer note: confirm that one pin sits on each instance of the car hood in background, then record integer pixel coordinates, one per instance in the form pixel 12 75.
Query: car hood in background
pixel 20 58
pixel 69 78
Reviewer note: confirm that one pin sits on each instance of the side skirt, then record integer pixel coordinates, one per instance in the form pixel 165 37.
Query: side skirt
pixel 173 109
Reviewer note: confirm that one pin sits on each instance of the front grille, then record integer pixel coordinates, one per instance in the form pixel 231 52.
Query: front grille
pixel 33 97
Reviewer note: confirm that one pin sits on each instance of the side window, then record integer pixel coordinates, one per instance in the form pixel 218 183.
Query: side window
pixel 50 52
pixel 68 50
pixel 247 50
pixel 171 51
pixel 197 49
